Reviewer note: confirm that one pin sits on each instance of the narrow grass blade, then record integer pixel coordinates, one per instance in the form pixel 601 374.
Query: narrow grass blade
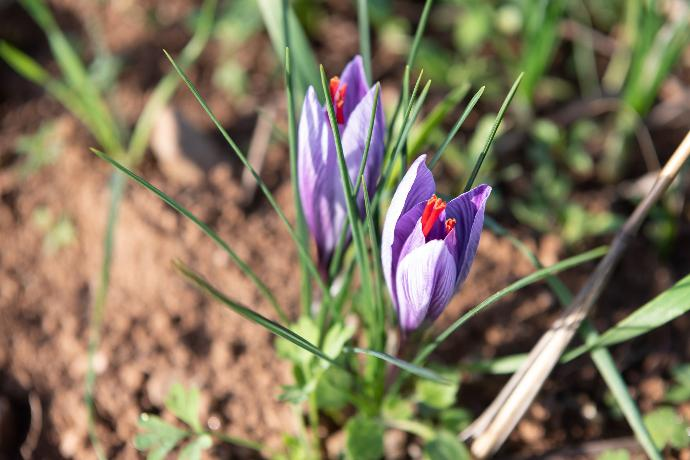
pixel 117 187
pixel 456 127
pixel 302 250
pixel 601 357
pixel 436 117
pixel 204 228
pixel 543 19
pixel 519 284
pixel 492 134
pixel 423 19
pixel 664 308
pixel 251 315
pixel 337 256
pixel 301 227
pixel 28 68
pixel 350 199
pixel 406 114
pixel 364 36
pixel 76 75
pixel 305 62
pixel 386 176
pixel 376 258
pixel 404 365
pixel 165 88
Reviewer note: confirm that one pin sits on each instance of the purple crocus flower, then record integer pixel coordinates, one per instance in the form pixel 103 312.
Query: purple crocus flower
pixel 321 191
pixel 428 245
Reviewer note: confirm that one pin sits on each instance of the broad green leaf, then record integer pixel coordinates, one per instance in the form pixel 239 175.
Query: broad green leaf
pixel 435 395
pixel 363 438
pixel 157 436
pixel 271 326
pixel 192 451
pixel 667 428
pixel 446 446
pixel 667 306
pixel 184 404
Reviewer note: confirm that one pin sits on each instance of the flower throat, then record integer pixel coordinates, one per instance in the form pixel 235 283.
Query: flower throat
pixel 432 211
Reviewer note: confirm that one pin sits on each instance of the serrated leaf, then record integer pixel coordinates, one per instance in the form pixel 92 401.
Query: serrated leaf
pixel 455 419
pixel 363 438
pixel 157 436
pixel 336 338
pixel 435 395
pixel 184 404
pixel 332 390
pixel 192 451
pixel 446 446
pixel 306 328
pixel 397 408
pixel 667 428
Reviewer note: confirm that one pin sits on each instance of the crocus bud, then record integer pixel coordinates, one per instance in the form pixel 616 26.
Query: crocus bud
pixel 428 245
pixel 321 190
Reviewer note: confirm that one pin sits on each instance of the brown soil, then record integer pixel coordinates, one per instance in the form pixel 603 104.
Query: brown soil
pixel 159 330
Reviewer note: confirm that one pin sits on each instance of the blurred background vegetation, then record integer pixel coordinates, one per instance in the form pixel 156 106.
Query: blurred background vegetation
pixel 604 100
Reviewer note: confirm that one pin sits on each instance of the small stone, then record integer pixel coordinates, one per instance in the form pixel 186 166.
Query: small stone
pixel 335 444
pixel 530 431
pixel 184 154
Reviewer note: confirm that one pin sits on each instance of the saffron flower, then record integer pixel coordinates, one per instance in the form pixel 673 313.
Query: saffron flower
pixel 428 245
pixel 321 190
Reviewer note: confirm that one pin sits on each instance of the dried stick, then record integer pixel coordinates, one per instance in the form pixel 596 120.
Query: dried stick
pixel 492 428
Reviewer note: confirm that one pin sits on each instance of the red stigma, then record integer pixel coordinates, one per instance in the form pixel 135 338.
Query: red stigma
pixel 431 212
pixel 338 96
pixel 450 225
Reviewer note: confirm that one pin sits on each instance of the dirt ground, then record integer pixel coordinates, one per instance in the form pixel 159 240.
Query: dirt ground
pixel 159 330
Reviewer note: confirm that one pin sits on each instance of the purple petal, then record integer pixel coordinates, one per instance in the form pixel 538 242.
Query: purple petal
pixel 354 77
pixel 416 187
pixel 425 281
pixel 354 140
pixel 468 211
pixel 315 167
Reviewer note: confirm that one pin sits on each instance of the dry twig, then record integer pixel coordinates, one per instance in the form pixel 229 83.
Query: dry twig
pixel 492 428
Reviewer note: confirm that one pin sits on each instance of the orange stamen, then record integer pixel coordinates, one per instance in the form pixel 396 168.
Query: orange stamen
pixel 338 96
pixel 450 225
pixel 431 212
